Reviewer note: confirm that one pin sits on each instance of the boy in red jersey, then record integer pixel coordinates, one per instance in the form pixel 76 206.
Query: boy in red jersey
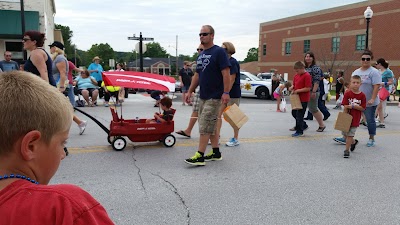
pixel 354 102
pixel 34 125
pixel 302 87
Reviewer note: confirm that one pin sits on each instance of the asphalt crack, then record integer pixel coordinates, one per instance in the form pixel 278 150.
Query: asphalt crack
pixel 138 171
pixel 175 190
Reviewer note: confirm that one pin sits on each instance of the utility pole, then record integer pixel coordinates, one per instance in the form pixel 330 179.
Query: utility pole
pixel 140 39
pixel 75 57
pixel 23 26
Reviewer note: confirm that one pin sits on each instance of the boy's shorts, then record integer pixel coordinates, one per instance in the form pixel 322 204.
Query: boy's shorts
pixel 208 115
pixel 351 133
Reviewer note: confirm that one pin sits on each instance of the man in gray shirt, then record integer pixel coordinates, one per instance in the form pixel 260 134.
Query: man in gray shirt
pixel 8 64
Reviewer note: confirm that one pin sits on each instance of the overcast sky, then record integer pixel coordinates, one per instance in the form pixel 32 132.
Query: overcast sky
pixel 112 21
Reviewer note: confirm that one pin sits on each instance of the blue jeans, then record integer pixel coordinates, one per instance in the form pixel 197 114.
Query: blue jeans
pixel 299 116
pixel 71 95
pixel 370 116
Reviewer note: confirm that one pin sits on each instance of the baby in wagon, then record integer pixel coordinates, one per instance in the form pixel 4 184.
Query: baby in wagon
pixel 167 115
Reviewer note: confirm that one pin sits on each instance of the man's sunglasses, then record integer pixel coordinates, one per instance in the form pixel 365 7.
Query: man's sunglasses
pixel 26 39
pixel 366 59
pixel 203 34
pixel 200 49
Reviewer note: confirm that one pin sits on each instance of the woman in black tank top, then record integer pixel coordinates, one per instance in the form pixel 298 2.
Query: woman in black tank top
pixel 37 64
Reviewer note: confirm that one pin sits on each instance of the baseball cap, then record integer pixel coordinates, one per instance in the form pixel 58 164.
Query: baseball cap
pixel 57 44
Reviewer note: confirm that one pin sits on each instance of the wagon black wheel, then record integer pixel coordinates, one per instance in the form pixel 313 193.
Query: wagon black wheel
pixel 169 140
pixel 110 139
pixel 119 144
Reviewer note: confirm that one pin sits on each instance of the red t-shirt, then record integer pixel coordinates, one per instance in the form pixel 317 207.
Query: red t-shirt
pixel 301 81
pixel 71 67
pixel 357 99
pixel 23 202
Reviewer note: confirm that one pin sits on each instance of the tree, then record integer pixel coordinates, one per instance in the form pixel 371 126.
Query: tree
pixel 252 55
pixel 334 60
pixel 104 51
pixel 154 50
pixel 67 34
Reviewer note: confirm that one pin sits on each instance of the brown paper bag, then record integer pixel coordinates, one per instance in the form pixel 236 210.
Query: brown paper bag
pixel 295 101
pixel 235 117
pixel 343 122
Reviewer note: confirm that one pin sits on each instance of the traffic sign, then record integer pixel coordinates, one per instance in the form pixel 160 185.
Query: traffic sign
pixel 148 39
pixel 133 38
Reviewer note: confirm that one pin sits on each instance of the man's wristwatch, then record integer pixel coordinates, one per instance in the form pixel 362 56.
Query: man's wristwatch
pixel 226 93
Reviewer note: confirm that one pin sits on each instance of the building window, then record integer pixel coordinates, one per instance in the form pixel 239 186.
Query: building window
pixel 335 44
pixel 288 48
pixel 307 45
pixel 360 42
pixel 264 49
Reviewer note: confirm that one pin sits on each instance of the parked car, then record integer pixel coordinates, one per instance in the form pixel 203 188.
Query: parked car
pixel 252 86
pixel 178 86
pixel 265 76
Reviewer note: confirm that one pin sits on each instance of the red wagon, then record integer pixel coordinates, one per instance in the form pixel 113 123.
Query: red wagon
pixel 137 130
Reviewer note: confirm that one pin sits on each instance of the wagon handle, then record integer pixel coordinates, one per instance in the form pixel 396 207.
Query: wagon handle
pixel 95 120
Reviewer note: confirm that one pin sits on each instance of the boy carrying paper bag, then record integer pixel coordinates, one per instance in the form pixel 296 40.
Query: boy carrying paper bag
pixel 354 102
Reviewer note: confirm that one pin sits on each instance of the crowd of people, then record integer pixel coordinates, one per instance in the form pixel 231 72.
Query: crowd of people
pixel 359 96
pixel 34 126
pixel 31 147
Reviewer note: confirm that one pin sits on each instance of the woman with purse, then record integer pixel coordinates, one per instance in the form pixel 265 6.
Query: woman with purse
pixel 387 80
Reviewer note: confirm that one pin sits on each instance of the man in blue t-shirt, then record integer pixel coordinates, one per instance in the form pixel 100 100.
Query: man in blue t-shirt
pixel 214 80
pixel 8 64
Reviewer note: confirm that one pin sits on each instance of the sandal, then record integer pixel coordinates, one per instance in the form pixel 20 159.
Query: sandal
pixel 181 132
pixel 321 129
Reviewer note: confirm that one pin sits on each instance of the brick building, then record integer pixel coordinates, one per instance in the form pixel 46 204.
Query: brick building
pixel 336 36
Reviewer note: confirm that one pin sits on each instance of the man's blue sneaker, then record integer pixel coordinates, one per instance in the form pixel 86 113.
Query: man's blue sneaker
pixel 297 134
pixel 340 140
pixel 371 143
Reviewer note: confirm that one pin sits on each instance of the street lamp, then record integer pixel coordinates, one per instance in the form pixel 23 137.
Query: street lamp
pixel 368 15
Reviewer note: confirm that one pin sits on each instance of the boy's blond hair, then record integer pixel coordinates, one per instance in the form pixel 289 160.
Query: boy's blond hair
pixel 30 103
pixel 299 65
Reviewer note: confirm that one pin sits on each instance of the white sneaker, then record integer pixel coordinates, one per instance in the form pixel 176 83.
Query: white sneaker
pixel 82 127
pixel 232 143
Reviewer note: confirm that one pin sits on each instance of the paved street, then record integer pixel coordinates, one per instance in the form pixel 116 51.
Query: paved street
pixel 271 178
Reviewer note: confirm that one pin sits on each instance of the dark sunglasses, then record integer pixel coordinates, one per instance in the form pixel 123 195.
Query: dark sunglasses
pixel 7 55
pixel 204 34
pixel 200 49
pixel 26 39
pixel 366 59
